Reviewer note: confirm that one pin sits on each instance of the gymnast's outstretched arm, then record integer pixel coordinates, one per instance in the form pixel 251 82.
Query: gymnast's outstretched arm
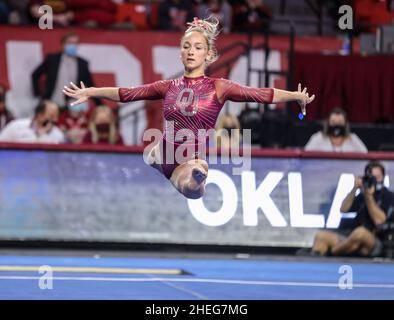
pixel 228 90
pixel 152 91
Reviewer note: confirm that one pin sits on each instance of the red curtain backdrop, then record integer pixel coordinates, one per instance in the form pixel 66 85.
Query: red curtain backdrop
pixel 363 85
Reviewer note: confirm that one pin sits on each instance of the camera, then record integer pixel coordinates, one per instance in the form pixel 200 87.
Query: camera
pixel 368 179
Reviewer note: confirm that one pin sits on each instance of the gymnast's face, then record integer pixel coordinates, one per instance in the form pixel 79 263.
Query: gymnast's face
pixel 194 51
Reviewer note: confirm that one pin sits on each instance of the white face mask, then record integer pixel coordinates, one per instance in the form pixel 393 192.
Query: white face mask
pixel 81 107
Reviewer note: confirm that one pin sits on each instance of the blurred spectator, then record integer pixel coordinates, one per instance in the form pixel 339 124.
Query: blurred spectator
pixel 4 12
pixel 88 13
pixel 371 13
pixel 5 115
pixel 60 69
pixel 250 119
pixel 18 12
pixel 138 15
pixel 102 128
pixel 374 206
pixel 74 122
pixel 41 129
pixel 336 135
pixel 61 13
pixel 220 9
pixel 228 132
pixel 174 14
pixel 251 16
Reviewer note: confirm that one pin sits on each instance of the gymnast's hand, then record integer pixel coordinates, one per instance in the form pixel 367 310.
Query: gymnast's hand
pixel 304 98
pixel 81 94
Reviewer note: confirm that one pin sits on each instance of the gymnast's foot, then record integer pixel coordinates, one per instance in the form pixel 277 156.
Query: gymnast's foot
pixel 199 175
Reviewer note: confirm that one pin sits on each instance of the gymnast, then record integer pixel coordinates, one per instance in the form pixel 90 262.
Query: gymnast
pixel 191 102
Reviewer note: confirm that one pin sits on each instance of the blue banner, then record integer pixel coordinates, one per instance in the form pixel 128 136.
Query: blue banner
pixel 92 196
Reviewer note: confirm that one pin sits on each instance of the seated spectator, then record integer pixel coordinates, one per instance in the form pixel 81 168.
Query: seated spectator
pixel 59 69
pixel 228 132
pixel 18 12
pixel 174 14
pixel 74 122
pixel 371 13
pixel 5 115
pixel 61 14
pixel 251 16
pixel 250 119
pixel 220 9
pixel 374 206
pixel 102 128
pixel 4 12
pixel 87 13
pixel 137 15
pixel 336 135
pixel 41 129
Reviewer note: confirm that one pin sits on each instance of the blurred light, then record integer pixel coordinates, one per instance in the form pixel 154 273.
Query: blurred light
pixel 300 116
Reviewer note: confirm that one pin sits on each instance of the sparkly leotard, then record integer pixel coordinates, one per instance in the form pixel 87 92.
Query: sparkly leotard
pixel 193 104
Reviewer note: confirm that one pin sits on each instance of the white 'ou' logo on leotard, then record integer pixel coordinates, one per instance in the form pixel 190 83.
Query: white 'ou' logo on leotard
pixel 187 102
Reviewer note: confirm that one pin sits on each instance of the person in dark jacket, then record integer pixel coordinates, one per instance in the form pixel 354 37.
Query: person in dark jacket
pixel 60 68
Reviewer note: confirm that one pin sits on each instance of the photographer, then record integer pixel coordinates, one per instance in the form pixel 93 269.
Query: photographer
pixel 374 205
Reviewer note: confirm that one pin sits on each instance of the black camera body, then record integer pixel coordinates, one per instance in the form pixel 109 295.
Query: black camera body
pixel 369 180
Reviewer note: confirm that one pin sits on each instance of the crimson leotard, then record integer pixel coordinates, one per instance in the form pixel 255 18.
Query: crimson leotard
pixel 193 104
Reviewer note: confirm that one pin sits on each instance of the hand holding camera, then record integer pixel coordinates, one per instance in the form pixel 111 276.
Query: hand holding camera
pixel 369 182
pixel 358 183
pixel 366 183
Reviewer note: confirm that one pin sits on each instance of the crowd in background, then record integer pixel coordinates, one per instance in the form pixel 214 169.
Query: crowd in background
pixel 56 120
pixel 94 122
pixel 171 15
pixel 234 15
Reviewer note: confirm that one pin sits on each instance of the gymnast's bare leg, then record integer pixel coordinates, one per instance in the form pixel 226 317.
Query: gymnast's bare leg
pixel 188 178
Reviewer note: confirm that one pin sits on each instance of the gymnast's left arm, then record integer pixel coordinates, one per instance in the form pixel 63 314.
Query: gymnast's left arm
pixel 301 96
pixel 228 90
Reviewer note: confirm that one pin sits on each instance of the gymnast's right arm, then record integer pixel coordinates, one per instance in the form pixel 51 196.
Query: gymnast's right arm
pixel 152 91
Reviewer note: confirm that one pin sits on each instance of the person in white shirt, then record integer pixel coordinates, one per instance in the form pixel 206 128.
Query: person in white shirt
pixel 336 136
pixel 39 129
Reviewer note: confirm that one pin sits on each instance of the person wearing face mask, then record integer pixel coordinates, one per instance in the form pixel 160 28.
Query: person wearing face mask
pixel 102 128
pixel 336 136
pixel 39 129
pixel 374 206
pixel 74 122
pixel 61 68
